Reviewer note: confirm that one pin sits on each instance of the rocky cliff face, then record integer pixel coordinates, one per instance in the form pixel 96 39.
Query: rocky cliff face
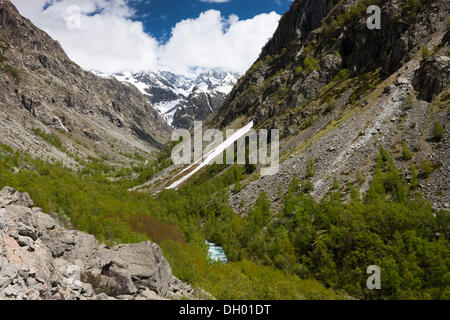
pixel 42 89
pixel 337 91
pixel 197 107
pixel 317 39
pixel 39 259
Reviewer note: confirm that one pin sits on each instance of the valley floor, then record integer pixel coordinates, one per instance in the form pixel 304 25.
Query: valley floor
pixel 307 250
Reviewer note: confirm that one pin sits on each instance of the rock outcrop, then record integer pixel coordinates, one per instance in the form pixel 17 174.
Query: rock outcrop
pixel 315 40
pixel 432 77
pixel 197 107
pixel 39 259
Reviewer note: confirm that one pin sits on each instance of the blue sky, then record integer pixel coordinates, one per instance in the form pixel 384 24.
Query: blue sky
pixel 160 16
pixel 149 35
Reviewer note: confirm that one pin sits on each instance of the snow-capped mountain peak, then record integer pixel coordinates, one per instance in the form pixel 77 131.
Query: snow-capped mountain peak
pixel 178 98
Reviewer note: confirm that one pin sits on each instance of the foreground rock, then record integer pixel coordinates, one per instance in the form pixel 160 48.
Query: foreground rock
pixel 39 259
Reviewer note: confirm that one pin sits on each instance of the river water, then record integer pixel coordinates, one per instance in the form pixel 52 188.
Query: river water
pixel 216 253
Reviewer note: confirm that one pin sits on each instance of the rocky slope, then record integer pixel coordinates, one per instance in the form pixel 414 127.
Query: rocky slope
pixel 337 91
pixel 39 259
pixel 46 97
pixel 182 100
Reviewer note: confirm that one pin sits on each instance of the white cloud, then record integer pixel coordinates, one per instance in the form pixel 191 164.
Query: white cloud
pixel 211 41
pixel 108 39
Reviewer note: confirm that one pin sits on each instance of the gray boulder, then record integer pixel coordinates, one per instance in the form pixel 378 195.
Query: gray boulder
pixel 148 268
pixel 39 259
pixel 432 77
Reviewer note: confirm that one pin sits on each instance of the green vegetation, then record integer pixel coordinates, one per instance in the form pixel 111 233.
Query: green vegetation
pixel 12 71
pixel 426 168
pixel 352 14
pixel 425 53
pixel 435 49
pixel 50 139
pixel 298 70
pixel 257 65
pixel 307 123
pixel 310 64
pixel 341 76
pixel 334 241
pixel 237 187
pixel 360 178
pixel 310 168
pixel 365 83
pixel 273 255
pixel 438 131
pixel 406 153
pixel 94 204
pixel 331 104
pixel 3 58
pixel 240 280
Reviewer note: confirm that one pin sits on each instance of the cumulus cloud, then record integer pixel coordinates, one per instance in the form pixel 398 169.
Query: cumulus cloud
pixel 212 41
pixel 106 38
pixel 103 35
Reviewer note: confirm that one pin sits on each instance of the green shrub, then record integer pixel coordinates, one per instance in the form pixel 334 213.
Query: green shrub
pixel 310 168
pixel 426 168
pixel 257 65
pixel 341 76
pixel 237 187
pixel 335 185
pixel 310 64
pixel 331 104
pixel 414 176
pixel 360 178
pixel 425 53
pixel 307 123
pixel 307 185
pixel 406 153
pixel 298 70
pixel 438 131
pixel 49 138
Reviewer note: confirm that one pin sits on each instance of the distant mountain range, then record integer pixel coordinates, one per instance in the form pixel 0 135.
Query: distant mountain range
pixel 179 99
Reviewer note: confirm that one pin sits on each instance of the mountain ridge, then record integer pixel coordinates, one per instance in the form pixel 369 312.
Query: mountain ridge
pixel 181 100
pixel 83 116
pixel 326 84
